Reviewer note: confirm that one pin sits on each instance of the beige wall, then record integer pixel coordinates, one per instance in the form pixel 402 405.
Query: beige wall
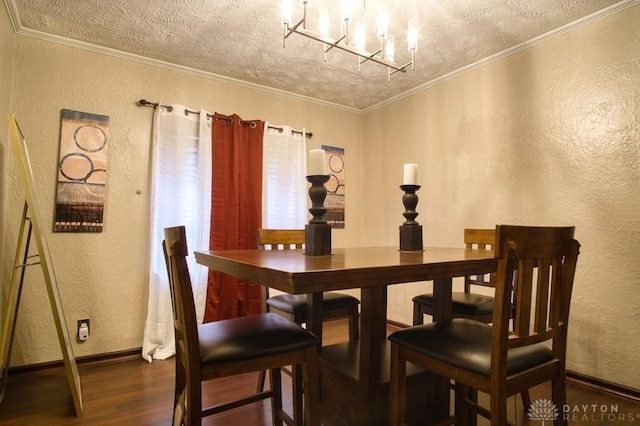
pixel 104 276
pixel 7 37
pixel 549 136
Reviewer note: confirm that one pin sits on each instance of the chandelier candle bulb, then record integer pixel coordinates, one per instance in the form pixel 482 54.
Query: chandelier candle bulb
pixel 287 12
pixel 389 49
pixel 316 163
pixel 410 176
pixel 412 37
pixel 360 39
pixel 345 17
pixel 382 24
pixel 323 22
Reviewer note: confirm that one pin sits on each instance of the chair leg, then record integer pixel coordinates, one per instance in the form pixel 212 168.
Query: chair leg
pixel 498 408
pixel 311 375
pixel 178 410
pixel 193 402
pixel 354 327
pixel 418 317
pixel 559 396
pixel 179 386
pixel 261 378
pixel 398 387
pixel 526 400
pixel 465 414
pixel 298 404
pixel 276 397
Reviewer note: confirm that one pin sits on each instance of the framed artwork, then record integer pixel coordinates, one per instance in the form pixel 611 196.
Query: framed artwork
pixel 335 186
pixel 82 172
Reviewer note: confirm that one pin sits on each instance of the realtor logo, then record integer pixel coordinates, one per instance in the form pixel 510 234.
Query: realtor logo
pixel 543 409
pixel 546 411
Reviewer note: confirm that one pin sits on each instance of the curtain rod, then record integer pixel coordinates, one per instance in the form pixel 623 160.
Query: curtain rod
pixel 144 102
pixel 252 124
pixel 299 132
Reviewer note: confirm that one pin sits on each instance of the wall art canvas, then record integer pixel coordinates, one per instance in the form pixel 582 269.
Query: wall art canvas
pixel 335 186
pixel 82 172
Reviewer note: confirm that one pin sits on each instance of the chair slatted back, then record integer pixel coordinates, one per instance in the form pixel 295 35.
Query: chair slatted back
pixel 280 239
pixel 539 263
pixel 480 239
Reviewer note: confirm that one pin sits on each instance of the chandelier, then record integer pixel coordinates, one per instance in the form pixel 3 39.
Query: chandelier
pixel 384 53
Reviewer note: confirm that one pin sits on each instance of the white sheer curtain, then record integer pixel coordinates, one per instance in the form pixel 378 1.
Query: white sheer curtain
pixel 180 195
pixel 284 188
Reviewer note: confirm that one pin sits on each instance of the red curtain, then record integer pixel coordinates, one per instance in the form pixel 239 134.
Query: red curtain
pixel 236 212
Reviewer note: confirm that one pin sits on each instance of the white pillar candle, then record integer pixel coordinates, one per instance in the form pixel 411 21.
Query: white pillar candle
pixel 410 176
pixel 316 162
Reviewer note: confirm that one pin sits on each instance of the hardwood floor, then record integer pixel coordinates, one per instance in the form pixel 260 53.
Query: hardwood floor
pixel 134 392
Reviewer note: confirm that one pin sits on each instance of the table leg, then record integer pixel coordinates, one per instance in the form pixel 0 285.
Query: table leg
pixel 442 310
pixel 315 314
pixel 373 333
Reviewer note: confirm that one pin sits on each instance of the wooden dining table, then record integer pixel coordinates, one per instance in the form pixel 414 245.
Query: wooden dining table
pixel 354 375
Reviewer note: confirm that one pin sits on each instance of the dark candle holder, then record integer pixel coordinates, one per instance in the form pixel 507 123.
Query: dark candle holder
pixel 410 230
pixel 317 234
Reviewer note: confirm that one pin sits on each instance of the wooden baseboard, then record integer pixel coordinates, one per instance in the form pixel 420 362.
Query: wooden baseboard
pixel 397 324
pixel 117 356
pixel 603 385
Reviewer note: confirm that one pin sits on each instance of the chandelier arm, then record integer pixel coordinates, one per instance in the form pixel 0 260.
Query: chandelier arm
pixel 403 67
pixel 288 31
pixel 332 45
pixel 327 40
pixel 364 59
pixel 293 29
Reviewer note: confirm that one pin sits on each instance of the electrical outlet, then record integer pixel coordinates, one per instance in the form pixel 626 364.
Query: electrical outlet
pixel 84 329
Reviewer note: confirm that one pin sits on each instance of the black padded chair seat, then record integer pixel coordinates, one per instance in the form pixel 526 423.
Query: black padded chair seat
pixel 251 337
pixel 466 344
pixel 472 304
pixel 296 304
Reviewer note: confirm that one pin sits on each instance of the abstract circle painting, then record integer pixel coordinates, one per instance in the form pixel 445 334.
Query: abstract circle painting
pixel 82 172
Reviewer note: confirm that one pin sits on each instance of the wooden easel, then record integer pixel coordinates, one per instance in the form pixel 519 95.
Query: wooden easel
pixel 30 227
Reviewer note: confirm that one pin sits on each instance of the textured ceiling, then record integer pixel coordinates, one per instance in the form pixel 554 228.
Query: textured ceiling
pixel 242 39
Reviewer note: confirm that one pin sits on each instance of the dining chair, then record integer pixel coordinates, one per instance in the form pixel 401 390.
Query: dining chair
pixel 294 306
pixel 499 359
pixel 335 305
pixel 465 304
pixel 231 347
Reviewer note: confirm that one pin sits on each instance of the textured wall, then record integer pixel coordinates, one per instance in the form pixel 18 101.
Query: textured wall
pixel 103 276
pixel 6 67
pixel 549 136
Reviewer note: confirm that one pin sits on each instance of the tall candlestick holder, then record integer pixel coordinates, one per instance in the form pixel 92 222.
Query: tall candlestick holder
pixel 410 230
pixel 317 234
